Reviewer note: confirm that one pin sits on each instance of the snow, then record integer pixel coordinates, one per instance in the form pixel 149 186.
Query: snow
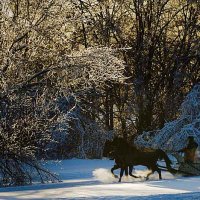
pixel 91 179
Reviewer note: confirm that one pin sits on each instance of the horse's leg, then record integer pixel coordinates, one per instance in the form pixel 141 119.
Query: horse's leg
pixel 147 178
pixel 121 174
pixel 159 172
pixel 114 168
pixel 152 171
pixel 126 171
pixel 131 170
pixel 155 168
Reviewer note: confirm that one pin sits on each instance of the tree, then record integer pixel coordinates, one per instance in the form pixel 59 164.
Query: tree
pixel 162 58
pixel 37 69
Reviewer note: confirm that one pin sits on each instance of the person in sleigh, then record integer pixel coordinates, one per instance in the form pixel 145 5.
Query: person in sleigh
pixel 189 150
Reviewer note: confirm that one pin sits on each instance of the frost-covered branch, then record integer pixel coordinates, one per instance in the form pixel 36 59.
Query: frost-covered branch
pixel 174 135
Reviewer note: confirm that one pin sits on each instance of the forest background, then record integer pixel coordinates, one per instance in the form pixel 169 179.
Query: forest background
pixel 73 73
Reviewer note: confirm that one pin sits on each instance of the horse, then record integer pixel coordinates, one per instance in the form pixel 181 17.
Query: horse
pixel 127 156
pixel 108 152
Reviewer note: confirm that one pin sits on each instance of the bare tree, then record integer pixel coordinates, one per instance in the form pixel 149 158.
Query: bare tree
pixel 38 68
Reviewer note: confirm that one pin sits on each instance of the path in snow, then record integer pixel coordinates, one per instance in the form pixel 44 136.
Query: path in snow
pixel 90 179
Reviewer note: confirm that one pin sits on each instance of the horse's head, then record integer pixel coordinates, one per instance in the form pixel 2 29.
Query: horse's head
pixel 115 147
pixel 119 143
pixel 121 146
pixel 108 149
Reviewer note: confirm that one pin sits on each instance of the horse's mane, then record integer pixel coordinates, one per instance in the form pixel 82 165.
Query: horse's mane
pixel 122 145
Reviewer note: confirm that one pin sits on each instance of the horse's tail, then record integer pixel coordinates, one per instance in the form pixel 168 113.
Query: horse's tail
pixel 166 158
pixel 168 162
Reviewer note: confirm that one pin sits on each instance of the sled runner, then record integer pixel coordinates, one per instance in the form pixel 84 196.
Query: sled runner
pixel 192 169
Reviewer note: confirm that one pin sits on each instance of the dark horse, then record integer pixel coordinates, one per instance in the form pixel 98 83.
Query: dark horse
pixel 126 156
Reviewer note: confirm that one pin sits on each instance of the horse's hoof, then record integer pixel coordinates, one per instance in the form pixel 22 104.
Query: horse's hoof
pixel 116 176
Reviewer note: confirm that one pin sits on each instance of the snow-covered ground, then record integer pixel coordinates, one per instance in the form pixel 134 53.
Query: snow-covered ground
pixel 91 179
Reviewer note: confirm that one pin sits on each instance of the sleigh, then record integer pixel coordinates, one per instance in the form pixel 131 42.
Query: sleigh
pixel 184 168
pixel 187 168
